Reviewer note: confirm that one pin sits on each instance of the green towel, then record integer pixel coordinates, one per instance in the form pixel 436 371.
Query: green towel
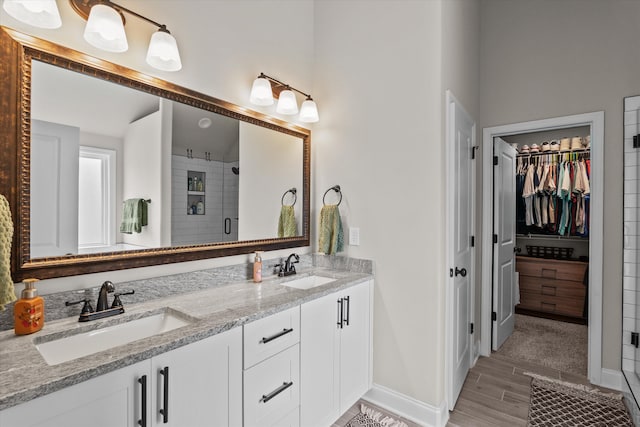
pixel 287 225
pixel 134 216
pixel 331 235
pixel 7 291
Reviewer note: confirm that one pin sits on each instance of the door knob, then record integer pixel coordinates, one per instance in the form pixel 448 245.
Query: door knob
pixel 461 271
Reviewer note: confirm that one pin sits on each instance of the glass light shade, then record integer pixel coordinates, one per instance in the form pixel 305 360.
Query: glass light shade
pixel 38 13
pixel 163 52
pixel 309 112
pixel 105 29
pixel 261 93
pixel 287 103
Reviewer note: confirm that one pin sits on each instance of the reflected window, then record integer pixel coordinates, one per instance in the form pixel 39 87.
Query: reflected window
pixel 96 198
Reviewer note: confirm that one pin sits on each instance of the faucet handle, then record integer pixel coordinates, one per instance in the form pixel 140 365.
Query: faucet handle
pixel 86 308
pixel 116 298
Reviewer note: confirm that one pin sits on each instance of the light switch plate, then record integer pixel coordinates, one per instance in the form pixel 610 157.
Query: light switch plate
pixel 354 236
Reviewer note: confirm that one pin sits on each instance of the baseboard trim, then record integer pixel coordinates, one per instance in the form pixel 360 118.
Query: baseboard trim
pixel 610 378
pixel 407 407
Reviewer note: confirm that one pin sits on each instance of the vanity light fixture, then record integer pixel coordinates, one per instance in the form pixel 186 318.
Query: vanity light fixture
pixel 38 13
pixel 263 92
pixel 105 30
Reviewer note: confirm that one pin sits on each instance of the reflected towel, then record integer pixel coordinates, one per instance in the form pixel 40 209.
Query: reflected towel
pixel 134 216
pixel 7 291
pixel 287 225
pixel 331 238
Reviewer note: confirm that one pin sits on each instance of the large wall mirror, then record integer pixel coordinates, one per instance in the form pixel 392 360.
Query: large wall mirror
pixel 106 168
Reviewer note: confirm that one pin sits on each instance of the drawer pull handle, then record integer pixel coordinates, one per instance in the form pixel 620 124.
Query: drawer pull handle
pixel 278 335
pixel 274 393
pixel 142 422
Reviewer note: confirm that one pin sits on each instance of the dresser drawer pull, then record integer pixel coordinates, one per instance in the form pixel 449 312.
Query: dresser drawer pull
pixel 274 393
pixel 278 335
pixel 549 273
pixel 548 290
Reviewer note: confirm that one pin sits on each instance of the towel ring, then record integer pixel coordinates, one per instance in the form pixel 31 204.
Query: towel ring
pixel 295 196
pixel 335 188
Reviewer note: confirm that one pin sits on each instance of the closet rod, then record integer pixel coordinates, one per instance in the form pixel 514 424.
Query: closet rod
pixel 544 153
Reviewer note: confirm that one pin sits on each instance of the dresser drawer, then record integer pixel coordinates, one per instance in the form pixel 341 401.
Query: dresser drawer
pixel 551 269
pixel 272 389
pixel 560 288
pixel 270 335
pixel 552 304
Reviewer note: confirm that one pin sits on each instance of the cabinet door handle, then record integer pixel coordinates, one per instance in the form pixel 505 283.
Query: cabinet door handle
pixel 227 226
pixel 348 310
pixel 275 336
pixel 274 393
pixel 340 314
pixel 142 422
pixel 165 396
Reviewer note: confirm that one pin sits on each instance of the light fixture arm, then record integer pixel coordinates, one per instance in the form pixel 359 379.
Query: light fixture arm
pixel 137 15
pixel 286 86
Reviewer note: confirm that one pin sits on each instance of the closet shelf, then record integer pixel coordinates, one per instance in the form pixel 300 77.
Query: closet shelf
pixel 544 153
pixel 550 237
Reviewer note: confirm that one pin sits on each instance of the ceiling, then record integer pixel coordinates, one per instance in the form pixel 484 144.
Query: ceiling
pixel 104 108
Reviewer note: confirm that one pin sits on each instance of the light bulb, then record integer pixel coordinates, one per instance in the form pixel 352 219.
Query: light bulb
pixel 287 103
pixel 261 93
pixel 163 51
pixel 38 13
pixel 309 111
pixel 105 29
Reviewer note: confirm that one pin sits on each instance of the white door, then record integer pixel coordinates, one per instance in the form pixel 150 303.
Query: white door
pixel 504 226
pixel 54 189
pixel 460 141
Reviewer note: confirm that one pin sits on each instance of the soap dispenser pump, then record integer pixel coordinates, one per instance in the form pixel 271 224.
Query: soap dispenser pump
pixel 28 311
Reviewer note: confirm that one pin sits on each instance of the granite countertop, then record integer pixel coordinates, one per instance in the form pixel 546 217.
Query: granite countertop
pixel 24 375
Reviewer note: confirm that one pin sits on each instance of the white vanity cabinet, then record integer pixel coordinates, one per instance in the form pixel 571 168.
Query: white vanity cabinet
pixel 272 370
pixel 204 388
pixel 335 354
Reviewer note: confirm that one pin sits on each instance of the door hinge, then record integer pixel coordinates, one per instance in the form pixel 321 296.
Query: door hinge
pixel 471 328
pixel 495 238
pixel 636 141
pixel 473 152
pixel 451 272
pixel 494 316
pixel 495 160
pixel 473 241
pixel 634 339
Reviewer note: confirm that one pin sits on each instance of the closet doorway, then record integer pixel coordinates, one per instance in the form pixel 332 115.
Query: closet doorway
pixel 537 237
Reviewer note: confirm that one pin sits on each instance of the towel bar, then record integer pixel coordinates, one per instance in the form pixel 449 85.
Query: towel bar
pixel 335 188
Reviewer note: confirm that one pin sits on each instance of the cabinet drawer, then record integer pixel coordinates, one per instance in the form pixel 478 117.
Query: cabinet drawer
pixel 561 288
pixel 290 420
pixel 270 335
pixel 551 269
pixel 272 388
pixel 549 304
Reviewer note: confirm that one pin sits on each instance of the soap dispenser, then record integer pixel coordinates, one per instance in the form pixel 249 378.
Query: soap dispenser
pixel 28 311
pixel 257 268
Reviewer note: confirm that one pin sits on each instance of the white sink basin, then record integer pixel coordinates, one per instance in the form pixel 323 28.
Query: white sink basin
pixel 307 282
pixel 83 344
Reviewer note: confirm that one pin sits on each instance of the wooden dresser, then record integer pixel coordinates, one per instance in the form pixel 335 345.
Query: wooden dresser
pixel 550 286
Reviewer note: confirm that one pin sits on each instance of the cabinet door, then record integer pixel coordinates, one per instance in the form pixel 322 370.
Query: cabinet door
pixel 319 361
pixel 204 383
pixel 355 346
pixel 110 400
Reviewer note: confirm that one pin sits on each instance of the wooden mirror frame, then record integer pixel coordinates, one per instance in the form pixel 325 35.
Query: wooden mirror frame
pixel 17 50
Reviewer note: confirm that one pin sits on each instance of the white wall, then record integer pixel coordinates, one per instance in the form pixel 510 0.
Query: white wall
pixel 378 82
pixel 270 164
pixel 556 58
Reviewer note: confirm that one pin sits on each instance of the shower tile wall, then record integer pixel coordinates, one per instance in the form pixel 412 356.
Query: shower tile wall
pixel 631 263
pixel 196 229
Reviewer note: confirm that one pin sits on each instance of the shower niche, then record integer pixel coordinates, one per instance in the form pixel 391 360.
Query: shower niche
pixel 196 192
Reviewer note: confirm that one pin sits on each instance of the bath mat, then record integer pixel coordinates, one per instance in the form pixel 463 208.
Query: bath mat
pixel 371 418
pixel 559 403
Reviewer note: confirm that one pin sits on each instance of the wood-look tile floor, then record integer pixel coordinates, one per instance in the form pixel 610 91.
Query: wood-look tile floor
pixel 496 392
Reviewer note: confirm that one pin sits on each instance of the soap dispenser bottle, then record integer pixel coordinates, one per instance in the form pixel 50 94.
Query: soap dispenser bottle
pixel 257 268
pixel 28 311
